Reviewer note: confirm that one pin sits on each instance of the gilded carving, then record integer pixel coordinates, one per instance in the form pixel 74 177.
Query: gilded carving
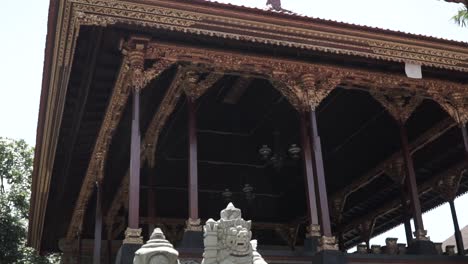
pixel 454 101
pixel 448 186
pixel 398 102
pixel 395 170
pixel 196 85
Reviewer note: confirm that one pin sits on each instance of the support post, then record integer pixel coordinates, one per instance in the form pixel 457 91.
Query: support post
pixel 151 203
pixel 134 186
pixel 456 227
pixel 98 227
pixel 193 161
pixel 313 229
pixel 465 138
pixel 327 242
pixel 193 235
pixel 420 232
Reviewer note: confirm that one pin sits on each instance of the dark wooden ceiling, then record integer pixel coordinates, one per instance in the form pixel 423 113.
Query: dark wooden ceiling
pixel 357 135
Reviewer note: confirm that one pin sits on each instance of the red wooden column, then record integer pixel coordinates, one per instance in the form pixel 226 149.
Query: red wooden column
pixel 98 226
pixel 313 230
pixel 320 175
pixel 456 227
pixel 134 185
pixel 420 232
pixel 193 222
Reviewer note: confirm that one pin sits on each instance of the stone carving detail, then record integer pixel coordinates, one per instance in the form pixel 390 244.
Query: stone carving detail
pixel 157 250
pixel 228 240
pixel 398 102
pixel 133 236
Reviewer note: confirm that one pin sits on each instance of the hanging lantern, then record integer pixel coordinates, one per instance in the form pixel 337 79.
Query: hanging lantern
pixel 248 192
pixel 227 195
pixel 294 151
pixel 265 152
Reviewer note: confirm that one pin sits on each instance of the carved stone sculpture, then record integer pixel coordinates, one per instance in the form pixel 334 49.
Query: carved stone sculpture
pixel 228 240
pixel 156 251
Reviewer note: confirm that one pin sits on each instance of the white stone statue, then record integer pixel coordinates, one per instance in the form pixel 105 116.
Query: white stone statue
pixel 228 240
pixel 156 251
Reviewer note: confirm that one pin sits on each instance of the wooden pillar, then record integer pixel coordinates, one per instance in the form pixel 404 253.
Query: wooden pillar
pixel 98 227
pixel 320 175
pixel 410 179
pixel 314 228
pixel 134 185
pixel 78 253
pixel 193 162
pixel 456 227
pixel 406 215
pixel 151 203
pixel 465 138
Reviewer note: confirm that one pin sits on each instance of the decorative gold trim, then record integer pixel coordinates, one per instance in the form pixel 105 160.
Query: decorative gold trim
pixel 398 102
pixel 131 68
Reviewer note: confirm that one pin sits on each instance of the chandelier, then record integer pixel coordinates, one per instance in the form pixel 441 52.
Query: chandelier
pixel 278 157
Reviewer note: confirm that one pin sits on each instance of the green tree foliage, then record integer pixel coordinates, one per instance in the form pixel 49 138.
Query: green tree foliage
pixel 461 18
pixel 16 161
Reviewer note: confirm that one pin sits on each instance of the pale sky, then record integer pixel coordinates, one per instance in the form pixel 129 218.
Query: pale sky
pixel 23 26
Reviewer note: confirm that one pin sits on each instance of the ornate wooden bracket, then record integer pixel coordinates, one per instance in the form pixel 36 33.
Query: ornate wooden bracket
pixel 196 83
pixel 448 185
pixel 131 75
pixel 398 102
pixel 395 169
pixel 454 101
pixel 366 228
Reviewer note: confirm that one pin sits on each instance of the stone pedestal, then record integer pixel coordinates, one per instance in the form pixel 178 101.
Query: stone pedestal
pixel 311 245
pixel 126 253
pixel 191 240
pixel 421 247
pixel 329 257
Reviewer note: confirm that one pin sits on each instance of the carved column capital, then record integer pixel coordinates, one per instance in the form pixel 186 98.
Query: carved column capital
pixel 395 170
pixel 453 101
pixel 398 102
pixel 316 87
pixel 195 83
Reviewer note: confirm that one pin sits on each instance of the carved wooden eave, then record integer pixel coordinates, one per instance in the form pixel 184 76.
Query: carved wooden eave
pixel 67 17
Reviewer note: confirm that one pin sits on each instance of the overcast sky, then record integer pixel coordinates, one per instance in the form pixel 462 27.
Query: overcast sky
pixel 23 29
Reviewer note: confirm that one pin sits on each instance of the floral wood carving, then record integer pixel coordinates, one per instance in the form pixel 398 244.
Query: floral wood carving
pixel 454 101
pixel 398 102
pixel 121 92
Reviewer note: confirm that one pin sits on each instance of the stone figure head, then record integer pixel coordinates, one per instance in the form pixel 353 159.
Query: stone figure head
pixel 234 232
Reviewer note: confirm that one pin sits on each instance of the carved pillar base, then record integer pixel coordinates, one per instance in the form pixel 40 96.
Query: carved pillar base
pixel 328 244
pixel 421 245
pixel 193 225
pixel 133 236
pixel 312 237
pixel 421 235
